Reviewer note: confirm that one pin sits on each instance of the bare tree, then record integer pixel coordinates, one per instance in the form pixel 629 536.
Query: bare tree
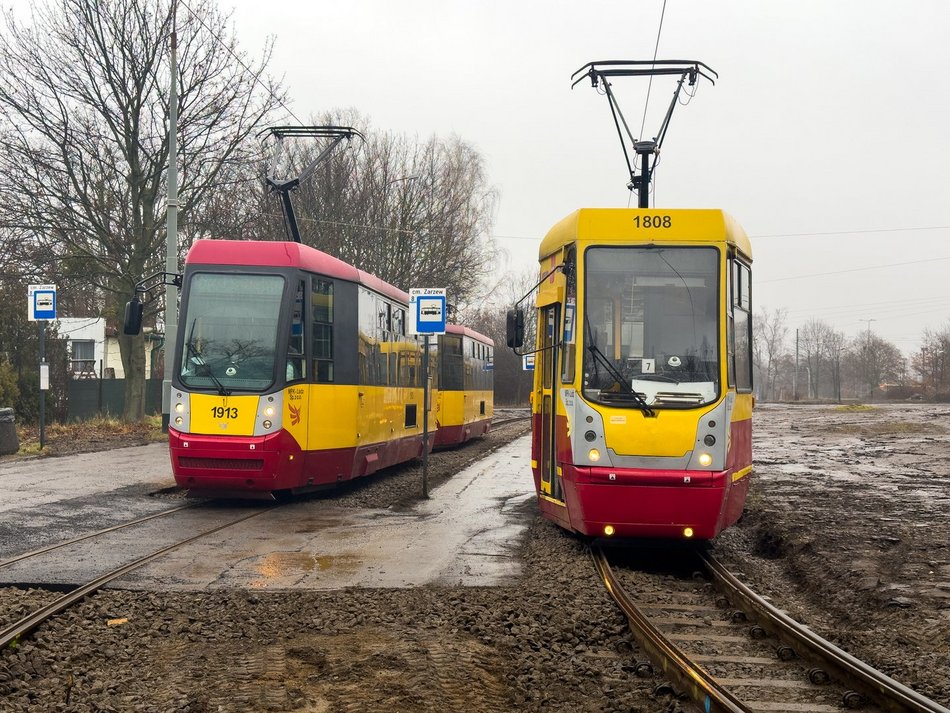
pixel 874 362
pixel 84 138
pixel 770 333
pixel 836 345
pixel 932 361
pixel 414 213
pixel 814 342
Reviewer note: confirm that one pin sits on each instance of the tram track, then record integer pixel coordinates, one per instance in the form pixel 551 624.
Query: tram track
pixel 15 632
pixel 729 649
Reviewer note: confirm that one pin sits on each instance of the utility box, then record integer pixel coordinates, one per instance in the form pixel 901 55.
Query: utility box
pixel 8 441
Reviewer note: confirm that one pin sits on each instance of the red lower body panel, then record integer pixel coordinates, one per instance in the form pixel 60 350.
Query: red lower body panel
pixel 648 503
pixel 254 464
pixel 447 436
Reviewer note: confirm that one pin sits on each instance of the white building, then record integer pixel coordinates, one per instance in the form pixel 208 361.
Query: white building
pixel 86 342
pixel 94 349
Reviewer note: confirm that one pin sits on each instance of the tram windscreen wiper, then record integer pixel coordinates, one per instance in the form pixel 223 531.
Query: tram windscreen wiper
pixel 199 361
pixel 621 380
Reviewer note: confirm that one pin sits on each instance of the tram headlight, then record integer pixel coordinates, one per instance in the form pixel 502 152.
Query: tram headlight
pixel 269 411
pixel 267 424
pixel 590 436
pixel 687 532
pixel 609 530
pixel 179 407
pixel 705 459
pixel 594 454
pixel 179 420
pixel 710 440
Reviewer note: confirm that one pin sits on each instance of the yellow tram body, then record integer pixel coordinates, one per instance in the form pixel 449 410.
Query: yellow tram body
pixel 611 458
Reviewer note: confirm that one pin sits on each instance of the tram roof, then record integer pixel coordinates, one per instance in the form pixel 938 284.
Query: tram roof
pixel 279 253
pixel 459 329
pixel 616 225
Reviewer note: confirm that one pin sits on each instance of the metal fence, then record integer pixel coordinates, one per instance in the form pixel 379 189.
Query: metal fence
pixel 89 398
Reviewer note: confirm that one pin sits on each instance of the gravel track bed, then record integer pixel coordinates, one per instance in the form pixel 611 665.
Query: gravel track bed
pixel 554 642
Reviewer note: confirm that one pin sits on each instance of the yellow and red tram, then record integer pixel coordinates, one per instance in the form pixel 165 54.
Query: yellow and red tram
pixel 642 401
pixel 464 404
pixel 294 371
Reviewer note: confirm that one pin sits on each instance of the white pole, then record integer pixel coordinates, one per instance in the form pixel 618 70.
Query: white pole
pixel 171 237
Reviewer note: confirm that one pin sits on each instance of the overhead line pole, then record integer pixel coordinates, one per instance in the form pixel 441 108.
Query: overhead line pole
pixel 171 236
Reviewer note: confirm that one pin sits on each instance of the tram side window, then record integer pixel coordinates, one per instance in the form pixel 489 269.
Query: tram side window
pixel 570 317
pixel 731 324
pixel 742 321
pixel 296 362
pixel 453 364
pixel 321 300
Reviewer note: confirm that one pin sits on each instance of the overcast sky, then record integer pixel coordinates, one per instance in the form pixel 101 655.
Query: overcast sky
pixel 827 117
pixel 825 135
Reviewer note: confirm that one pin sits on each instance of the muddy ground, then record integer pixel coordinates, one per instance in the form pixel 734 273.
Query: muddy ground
pixel 846 528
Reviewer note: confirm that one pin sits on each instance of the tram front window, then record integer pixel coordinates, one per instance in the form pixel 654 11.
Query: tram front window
pixel 229 332
pixel 651 326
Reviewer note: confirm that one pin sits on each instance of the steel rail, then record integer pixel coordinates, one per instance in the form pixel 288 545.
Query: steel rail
pixel 113 528
pixel 875 685
pixel 506 421
pixel 16 631
pixel 702 687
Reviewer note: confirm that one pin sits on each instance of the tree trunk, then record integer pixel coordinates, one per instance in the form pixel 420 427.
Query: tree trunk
pixel 132 349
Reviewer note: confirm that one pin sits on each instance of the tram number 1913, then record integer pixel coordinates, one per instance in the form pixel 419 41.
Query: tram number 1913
pixel 653 221
pixel 224 412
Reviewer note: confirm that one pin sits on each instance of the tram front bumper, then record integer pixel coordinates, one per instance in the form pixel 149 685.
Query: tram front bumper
pixel 235 463
pixel 674 504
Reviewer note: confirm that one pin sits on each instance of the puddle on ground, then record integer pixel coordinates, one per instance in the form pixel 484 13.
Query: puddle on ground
pixel 277 568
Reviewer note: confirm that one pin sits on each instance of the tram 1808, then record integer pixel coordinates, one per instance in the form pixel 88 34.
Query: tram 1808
pixel 642 400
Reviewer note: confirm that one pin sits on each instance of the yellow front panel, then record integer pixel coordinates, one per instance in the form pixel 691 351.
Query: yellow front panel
pixel 628 432
pixel 223 415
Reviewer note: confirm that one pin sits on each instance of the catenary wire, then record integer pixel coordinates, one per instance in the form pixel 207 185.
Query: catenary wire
pixel 656 48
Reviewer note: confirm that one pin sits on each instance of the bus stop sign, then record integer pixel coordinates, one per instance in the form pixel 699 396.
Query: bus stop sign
pixel 427 311
pixel 42 302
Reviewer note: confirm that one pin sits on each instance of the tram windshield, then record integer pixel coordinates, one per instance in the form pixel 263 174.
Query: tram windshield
pixel 229 331
pixel 651 326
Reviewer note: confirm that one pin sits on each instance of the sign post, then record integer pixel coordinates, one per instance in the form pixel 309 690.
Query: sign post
pixel 427 313
pixel 41 306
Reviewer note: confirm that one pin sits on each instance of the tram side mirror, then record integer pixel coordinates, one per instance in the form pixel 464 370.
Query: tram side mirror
pixel 515 323
pixel 133 316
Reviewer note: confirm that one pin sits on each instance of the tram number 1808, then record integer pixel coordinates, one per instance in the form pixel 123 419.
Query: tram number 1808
pixel 653 221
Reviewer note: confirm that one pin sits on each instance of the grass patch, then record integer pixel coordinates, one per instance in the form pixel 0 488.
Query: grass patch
pixel 84 436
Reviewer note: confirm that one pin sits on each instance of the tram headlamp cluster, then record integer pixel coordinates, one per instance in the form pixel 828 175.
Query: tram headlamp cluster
pixel 593 454
pixel 705 459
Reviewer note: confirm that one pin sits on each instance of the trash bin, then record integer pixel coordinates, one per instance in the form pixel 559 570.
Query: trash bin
pixel 8 440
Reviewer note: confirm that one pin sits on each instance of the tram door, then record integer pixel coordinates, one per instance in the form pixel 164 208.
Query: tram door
pixel 547 363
